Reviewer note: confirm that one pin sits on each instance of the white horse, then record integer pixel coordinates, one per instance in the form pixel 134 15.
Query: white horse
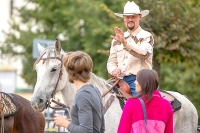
pixel 52 78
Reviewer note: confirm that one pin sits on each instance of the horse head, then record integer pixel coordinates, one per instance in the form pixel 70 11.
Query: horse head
pixel 50 75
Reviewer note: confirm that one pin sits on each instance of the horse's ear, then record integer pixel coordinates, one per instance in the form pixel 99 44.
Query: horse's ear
pixel 40 48
pixel 58 46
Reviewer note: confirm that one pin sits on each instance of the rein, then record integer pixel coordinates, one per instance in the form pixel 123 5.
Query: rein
pixel 121 85
pixel 116 82
pixel 122 92
pixel 62 106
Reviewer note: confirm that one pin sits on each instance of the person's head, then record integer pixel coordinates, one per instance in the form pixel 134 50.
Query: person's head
pixel 78 65
pixel 132 15
pixel 146 82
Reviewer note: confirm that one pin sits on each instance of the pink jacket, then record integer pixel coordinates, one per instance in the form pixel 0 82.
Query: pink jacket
pixel 159 116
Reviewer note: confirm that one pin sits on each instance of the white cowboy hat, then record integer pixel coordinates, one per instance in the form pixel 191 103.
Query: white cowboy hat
pixel 130 9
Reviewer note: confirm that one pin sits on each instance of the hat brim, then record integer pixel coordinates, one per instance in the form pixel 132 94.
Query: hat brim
pixel 143 13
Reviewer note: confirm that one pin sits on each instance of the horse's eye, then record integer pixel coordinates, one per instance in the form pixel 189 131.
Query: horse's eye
pixel 53 70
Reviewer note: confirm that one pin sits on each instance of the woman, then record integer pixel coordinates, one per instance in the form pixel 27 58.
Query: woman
pixel 87 109
pixel 159 113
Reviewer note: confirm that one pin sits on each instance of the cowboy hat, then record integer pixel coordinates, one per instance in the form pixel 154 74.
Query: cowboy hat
pixel 131 9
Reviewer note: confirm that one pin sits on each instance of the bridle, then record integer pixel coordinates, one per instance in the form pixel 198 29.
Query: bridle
pixel 48 104
pixel 61 106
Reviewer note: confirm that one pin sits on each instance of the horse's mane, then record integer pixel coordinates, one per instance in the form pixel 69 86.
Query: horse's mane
pixel 99 82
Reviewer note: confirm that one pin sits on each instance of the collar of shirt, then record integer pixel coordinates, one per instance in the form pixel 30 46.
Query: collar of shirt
pixel 156 93
pixel 134 33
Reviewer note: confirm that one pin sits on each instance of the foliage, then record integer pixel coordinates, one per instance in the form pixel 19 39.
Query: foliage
pixel 175 30
pixel 184 80
pixel 84 27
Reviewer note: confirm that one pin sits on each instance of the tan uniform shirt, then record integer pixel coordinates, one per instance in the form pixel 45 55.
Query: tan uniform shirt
pixel 141 42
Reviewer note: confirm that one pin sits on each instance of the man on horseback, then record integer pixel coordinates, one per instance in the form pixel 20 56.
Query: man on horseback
pixel 132 50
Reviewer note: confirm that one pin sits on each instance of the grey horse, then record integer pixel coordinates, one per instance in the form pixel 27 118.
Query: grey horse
pixel 52 78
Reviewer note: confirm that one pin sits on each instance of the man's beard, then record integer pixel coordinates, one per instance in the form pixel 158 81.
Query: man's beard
pixel 132 27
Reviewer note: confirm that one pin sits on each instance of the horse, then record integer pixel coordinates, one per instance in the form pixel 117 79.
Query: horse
pixel 23 119
pixel 52 78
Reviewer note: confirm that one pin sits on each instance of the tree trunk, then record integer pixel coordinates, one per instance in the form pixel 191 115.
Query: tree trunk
pixel 156 67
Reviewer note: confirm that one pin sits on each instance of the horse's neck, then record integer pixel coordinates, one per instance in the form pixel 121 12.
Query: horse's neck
pixel 101 84
pixel 69 91
pixel 68 94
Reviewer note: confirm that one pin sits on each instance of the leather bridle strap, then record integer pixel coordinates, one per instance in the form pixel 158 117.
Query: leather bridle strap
pixel 60 77
pixel 62 106
pixel 58 58
pixel 60 73
pixel 116 82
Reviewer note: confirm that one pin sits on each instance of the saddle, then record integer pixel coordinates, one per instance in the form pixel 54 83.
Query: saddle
pixel 7 105
pixel 176 105
pixel 7 108
pixel 123 92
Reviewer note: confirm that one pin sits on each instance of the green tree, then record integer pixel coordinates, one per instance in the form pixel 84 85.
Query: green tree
pixel 182 79
pixel 175 30
pixel 84 26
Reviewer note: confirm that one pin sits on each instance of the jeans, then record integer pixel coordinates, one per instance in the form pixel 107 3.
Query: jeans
pixel 130 80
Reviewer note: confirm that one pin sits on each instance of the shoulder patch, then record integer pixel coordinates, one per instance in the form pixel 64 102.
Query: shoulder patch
pixel 116 43
pixel 151 41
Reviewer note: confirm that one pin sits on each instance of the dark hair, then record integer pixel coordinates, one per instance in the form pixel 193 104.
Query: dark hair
pixel 149 81
pixel 78 65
